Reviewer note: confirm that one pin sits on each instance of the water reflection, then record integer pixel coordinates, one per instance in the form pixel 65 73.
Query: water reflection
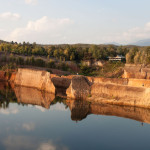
pixel 7 95
pixel 33 96
pixel 15 142
pixel 79 109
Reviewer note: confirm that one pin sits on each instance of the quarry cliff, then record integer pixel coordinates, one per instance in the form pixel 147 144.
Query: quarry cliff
pixel 121 91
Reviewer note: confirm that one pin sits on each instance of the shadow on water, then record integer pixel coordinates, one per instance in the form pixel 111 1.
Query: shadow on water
pixel 79 109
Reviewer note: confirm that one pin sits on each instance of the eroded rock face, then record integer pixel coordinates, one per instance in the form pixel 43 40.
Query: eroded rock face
pixel 79 88
pixel 35 79
pixel 136 71
pixel 121 95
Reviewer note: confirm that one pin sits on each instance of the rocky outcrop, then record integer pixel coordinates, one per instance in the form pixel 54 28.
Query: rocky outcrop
pixel 35 79
pixel 136 71
pixel 32 96
pixel 79 88
pixel 139 83
pixel 121 95
pixel 128 92
pixel 131 92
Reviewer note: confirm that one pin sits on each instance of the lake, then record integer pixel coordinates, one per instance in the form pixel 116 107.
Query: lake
pixel 30 119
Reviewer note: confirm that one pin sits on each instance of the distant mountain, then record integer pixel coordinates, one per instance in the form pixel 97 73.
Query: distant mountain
pixel 1 41
pixel 145 42
pixel 112 43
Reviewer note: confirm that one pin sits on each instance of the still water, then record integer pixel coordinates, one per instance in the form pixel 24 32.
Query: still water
pixel 32 120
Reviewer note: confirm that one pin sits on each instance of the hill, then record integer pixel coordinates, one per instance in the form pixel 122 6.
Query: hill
pixel 145 42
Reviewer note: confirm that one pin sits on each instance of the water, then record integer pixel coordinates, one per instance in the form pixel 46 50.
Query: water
pixel 30 119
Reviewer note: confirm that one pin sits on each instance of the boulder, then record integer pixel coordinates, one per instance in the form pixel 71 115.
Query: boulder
pixel 79 89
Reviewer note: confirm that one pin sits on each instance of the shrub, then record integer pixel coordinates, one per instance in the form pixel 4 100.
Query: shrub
pixel 51 64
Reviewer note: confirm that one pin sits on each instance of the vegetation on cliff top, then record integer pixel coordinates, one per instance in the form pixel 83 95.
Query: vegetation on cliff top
pixel 13 55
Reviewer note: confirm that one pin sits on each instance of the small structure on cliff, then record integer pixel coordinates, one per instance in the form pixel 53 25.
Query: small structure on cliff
pixel 117 58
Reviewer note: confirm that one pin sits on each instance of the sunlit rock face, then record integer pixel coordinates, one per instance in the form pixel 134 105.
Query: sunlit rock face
pixel 121 95
pixel 32 96
pixel 136 71
pixel 35 79
pixel 120 81
pixel 79 88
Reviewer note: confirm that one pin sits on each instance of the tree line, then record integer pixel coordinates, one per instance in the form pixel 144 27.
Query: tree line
pixel 138 55
pixel 64 52
pixel 78 52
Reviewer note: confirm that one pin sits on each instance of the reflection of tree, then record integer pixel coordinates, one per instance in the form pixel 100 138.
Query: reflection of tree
pixel 7 95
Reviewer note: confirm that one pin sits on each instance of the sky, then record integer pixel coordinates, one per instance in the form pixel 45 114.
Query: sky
pixel 74 21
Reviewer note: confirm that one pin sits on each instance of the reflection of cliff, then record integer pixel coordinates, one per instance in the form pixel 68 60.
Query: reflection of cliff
pixel 135 113
pixel 33 96
pixel 80 109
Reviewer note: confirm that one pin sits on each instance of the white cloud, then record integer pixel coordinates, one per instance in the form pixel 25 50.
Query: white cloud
pixel 51 146
pixel 31 2
pixel 132 35
pixel 40 108
pixel 16 142
pixel 28 126
pixel 47 146
pixel 9 111
pixel 59 107
pixel 9 16
pixel 43 30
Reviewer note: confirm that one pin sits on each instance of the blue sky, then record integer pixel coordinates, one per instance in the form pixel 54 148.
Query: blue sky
pixel 74 21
